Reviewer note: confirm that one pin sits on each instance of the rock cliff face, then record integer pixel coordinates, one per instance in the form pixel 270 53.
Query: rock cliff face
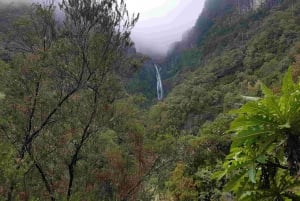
pixel 217 9
pixel 248 5
pixel 213 10
pixel 212 7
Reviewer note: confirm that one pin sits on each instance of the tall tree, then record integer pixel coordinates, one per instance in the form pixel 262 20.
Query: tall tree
pixel 59 87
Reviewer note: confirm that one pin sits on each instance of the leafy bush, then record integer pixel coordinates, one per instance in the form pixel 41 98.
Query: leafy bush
pixel 264 159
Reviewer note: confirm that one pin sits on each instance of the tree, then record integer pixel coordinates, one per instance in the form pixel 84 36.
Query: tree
pixel 59 88
pixel 264 159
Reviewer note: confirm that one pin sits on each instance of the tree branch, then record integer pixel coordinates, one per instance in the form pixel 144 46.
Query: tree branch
pixel 78 147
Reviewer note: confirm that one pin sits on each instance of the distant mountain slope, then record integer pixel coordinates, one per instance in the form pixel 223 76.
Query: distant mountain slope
pixel 227 60
pixel 191 50
pixel 9 13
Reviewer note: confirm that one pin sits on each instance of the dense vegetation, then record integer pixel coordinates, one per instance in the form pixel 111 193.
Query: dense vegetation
pixel 78 120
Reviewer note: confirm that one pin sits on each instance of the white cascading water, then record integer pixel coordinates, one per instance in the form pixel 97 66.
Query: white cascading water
pixel 159 87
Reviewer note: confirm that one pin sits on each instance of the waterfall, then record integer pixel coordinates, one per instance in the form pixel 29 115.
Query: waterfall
pixel 159 87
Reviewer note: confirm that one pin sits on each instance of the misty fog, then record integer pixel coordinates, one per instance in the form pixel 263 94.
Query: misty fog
pixel 15 1
pixel 155 34
pixel 160 25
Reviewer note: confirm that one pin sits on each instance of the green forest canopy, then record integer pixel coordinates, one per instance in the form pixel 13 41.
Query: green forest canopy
pixel 69 130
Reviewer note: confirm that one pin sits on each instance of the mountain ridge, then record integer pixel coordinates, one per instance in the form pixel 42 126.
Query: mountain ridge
pixel 191 46
pixel 237 52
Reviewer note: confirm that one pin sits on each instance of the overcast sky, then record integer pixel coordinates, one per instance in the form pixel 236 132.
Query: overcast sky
pixel 162 22
pixel 17 1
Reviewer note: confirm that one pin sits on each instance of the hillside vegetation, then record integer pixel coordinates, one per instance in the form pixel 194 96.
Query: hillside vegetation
pixel 79 119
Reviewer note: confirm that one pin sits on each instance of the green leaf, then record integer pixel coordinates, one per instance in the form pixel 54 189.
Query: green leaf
pixel 235 182
pixel 288 85
pixel 262 159
pixel 258 138
pixel 247 194
pixel 218 175
pixel 252 173
pixel 266 91
pixel 286 125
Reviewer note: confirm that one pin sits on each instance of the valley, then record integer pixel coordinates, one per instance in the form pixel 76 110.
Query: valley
pixel 84 116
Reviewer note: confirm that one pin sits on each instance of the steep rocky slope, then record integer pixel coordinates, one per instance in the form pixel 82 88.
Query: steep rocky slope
pixel 227 59
pixel 190 52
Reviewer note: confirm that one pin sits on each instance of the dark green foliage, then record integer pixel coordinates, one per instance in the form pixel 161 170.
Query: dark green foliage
pixel 70 128
pixel 8 14
pixel 60 91
pixel 144 81
pixel 238 53
pixel 264 155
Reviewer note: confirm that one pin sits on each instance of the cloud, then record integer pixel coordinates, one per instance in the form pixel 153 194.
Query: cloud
pixel 163 24
pixel 16 1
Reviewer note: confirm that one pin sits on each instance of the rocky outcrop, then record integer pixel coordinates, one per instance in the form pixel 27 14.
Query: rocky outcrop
pixel 212 10
pixel 248 5
pixel 213 6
